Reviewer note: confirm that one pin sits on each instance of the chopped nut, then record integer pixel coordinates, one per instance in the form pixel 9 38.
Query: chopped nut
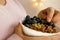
pixel 54 30
pixel 43 28
pixel 50 29
pixel 39 25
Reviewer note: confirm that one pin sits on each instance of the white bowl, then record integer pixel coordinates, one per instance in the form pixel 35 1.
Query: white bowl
pixel 32 32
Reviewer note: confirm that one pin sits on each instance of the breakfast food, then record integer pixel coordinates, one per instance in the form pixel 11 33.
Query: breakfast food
pixel 39 24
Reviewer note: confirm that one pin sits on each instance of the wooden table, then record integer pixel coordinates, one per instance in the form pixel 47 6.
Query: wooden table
pixel 19 31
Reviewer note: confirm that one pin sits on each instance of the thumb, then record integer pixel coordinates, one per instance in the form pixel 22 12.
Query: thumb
pixel 19 30
pixel 50 13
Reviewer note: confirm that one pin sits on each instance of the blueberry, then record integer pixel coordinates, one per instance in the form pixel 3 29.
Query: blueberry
pixel 31 18
pixel 48 23
pixel 45 22
pixel 35 17
pixel 24 22
pixel 51 24
pixel 42 21
pixel 27 25
pixel 27 17
pixel 34 21
pixel 29 21
pixel 38 20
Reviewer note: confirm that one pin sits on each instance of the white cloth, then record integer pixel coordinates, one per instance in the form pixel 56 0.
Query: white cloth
pixel 9 17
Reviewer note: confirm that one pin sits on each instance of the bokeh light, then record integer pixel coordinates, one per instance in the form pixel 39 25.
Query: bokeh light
pixel 34 0
pixel 41 4
pixel 36 4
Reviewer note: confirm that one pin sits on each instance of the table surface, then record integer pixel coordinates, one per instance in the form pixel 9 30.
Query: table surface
pixel 19 31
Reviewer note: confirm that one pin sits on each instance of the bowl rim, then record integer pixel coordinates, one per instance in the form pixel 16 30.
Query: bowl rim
pixel 37 31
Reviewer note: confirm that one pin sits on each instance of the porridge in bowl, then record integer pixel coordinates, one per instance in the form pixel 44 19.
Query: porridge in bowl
pixel 38 24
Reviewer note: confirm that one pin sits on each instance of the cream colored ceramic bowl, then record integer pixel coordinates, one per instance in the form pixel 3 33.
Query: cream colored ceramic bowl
pixel 32 32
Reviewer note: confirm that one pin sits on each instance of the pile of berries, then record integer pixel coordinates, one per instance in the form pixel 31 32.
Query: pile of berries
pixel 39 24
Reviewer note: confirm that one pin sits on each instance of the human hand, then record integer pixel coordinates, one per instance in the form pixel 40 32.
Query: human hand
pixel 20 33
pixel 50 14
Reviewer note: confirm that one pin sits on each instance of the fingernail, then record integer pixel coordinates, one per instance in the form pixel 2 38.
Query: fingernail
pixel 48 19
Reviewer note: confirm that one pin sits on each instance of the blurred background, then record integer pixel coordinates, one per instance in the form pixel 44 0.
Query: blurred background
pixel 33 7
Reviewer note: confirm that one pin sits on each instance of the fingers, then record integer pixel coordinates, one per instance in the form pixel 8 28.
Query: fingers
pixel 50 13
pixel 18 30
pixel 47 14
pixel 56 18
pixel 42 14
